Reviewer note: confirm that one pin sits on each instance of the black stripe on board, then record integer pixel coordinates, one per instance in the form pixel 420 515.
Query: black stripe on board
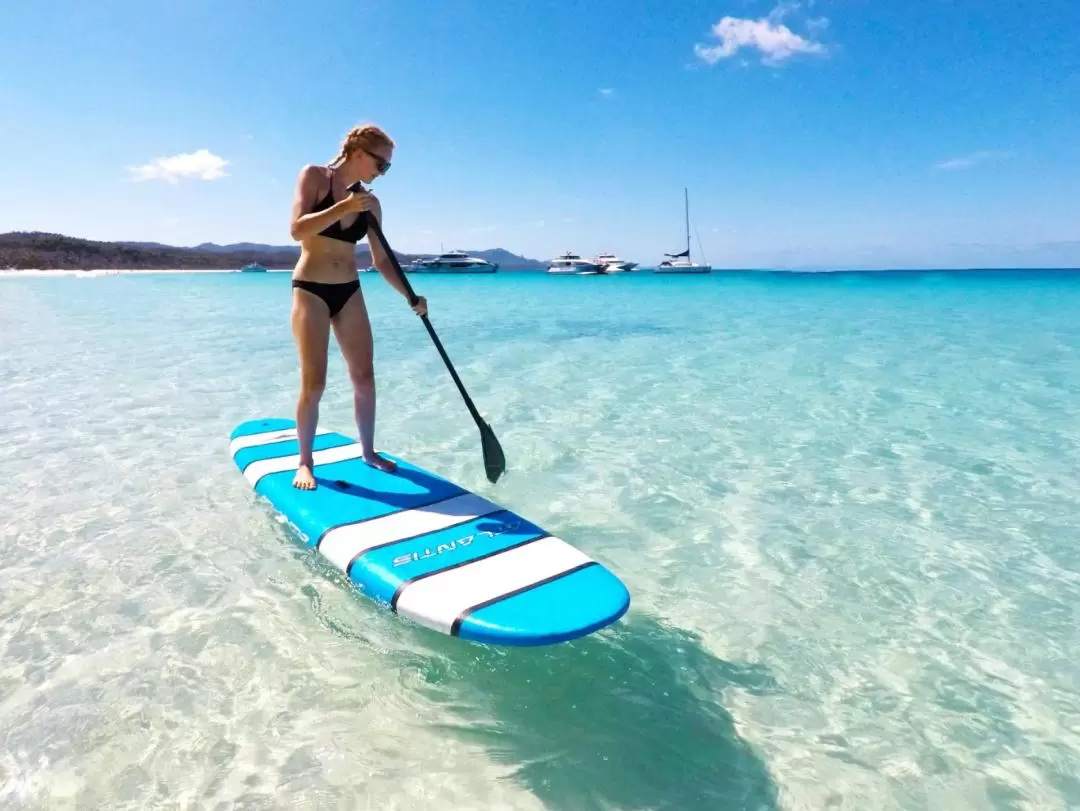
pixel 456 627
pixel 460 563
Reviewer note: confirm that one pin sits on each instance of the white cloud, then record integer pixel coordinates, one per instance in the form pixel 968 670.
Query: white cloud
pixel 769 35
pixel 201 165
pixel 607 92
pixel 974 159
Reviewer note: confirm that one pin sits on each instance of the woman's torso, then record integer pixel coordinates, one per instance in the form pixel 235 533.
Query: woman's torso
pixel 330 256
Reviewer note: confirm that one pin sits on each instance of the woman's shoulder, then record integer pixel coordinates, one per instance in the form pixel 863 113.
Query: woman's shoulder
pixel 314 171
pixel 312 180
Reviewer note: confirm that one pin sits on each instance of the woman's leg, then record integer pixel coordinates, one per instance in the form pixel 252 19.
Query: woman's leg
pixel 353 332
pixel 311 328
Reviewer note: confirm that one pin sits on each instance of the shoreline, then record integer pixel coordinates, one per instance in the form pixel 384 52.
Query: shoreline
pixel 127 271
pixel 98 272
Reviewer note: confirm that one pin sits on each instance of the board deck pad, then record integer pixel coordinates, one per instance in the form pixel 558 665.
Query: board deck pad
pixel 427 548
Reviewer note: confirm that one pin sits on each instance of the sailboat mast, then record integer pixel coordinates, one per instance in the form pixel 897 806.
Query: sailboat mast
pixel 686 206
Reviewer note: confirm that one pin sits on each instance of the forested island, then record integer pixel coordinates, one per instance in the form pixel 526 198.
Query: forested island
pixel 21 250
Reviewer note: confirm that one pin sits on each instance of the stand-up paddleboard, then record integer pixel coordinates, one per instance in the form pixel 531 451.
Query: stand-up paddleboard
pixel 429 549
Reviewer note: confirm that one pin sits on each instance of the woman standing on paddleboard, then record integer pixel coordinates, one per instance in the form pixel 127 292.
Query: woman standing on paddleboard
pixel 328 220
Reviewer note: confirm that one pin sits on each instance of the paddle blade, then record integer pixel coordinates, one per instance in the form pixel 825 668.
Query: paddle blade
pixel 494 460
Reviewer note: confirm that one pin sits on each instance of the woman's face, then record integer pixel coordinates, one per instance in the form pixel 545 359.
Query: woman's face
pixel 374 161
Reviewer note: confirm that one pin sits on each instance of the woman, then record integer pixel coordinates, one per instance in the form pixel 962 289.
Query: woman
pixel 328 221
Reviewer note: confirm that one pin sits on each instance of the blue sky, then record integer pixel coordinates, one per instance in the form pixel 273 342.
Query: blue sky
pixel 832 132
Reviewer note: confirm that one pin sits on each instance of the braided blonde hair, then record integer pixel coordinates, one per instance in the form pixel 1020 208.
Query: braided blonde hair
pixel 362 136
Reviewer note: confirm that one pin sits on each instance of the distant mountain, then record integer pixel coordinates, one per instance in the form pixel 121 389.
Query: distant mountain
pixel 213 247
pixel 33 250
pixel 38 250
pixel 502 257
pixel 143 244
pixel 510 261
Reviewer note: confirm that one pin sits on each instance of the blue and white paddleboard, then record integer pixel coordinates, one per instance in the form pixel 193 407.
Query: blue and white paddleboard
pixel 432 551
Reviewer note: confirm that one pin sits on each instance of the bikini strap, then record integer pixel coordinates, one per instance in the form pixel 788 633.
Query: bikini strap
pixel 330 191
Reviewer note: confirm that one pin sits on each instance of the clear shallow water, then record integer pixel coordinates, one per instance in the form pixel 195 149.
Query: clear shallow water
pixel 846 509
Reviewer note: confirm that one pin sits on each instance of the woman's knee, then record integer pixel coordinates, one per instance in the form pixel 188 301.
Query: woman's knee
pixel 362 376
pixel 312 386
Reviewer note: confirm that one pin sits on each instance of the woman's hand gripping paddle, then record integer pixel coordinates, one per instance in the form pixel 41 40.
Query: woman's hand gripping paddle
pixel 494 460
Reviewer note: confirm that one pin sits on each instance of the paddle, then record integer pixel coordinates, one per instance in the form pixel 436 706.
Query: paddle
pixel 494 460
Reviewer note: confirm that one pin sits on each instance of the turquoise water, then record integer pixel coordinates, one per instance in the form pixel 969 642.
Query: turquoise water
pixel 846 508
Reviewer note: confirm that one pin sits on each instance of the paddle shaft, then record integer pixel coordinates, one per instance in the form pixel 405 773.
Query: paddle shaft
pixel 373 225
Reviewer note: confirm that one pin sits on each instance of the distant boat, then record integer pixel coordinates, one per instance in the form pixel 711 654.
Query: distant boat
pixel 613 264
pixel 453 262
pixel 253 268
pixel 681 262
pixel 573 264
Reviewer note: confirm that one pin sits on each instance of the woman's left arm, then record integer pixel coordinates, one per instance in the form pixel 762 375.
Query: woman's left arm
pixel 385 266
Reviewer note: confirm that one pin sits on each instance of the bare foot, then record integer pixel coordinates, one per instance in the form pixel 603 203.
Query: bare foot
pixel 385 465
pixel 304 479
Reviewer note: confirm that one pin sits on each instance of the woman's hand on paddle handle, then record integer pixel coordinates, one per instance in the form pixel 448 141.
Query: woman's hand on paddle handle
pixel 420 308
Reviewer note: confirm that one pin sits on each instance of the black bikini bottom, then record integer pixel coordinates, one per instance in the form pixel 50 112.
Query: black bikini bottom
pixel 334 294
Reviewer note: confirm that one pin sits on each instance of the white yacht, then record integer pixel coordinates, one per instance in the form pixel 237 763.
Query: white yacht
pixel 453 262
pixel 613 264
pixel 572 263
pixel 681 262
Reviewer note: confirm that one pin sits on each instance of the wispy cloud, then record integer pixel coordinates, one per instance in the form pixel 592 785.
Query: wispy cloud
pixel 199 165
pixel 974 159
pixel 607 92
pixel 768 35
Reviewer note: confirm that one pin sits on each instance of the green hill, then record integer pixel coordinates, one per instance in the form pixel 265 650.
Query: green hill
pixel 35 250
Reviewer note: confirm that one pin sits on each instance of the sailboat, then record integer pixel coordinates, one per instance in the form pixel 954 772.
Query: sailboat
pixel 681 262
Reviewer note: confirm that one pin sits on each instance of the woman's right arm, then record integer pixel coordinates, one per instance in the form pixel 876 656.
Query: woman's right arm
pixel 302 224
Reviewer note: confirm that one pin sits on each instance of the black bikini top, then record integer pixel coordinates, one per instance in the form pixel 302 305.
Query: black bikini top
pixel 354 233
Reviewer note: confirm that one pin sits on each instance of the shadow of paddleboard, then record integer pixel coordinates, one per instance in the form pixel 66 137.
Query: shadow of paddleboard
pixel 628 718
pixel 631 718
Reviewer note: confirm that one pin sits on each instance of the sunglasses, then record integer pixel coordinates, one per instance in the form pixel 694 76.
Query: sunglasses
pixel 382 164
